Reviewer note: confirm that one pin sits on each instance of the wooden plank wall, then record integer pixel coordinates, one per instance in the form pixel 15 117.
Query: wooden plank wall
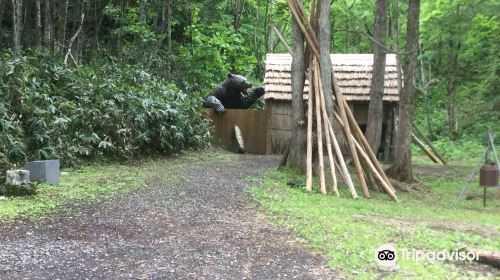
pixel 252 124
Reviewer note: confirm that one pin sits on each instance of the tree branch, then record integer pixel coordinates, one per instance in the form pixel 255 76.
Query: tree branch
pixel 375 41
pixel 72 40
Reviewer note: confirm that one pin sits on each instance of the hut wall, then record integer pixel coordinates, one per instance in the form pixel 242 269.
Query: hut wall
pixel 279 124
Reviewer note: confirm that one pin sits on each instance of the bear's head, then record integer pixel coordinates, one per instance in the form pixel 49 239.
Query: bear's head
pixel 237 82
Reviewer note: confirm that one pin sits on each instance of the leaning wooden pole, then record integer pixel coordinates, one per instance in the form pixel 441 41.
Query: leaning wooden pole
pixel 422 146
pixel 366 146
pixel 357 142
pixel 347 131
pixel 319 129
pixel 344 172
pixel 429 143
pixel 327 136
pixel 310 102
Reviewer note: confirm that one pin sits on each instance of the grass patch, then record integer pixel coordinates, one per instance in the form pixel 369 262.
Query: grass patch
pixel 100 181
pixel 348 231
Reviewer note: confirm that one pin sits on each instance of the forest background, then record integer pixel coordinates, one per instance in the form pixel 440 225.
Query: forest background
pixel 86 79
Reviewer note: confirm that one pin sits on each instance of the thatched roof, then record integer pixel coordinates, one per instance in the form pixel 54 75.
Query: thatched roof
pixel 354 72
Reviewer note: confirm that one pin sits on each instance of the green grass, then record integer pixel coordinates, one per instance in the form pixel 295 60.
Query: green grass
pixel 100 181
pixel 347 231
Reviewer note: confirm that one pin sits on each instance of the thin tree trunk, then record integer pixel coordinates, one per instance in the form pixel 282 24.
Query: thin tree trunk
pixel 47 27
pixel 143 11
pixel 77 15
pixel 2 4
pixel 427 109
pixel 17 23
pixel 451 89
pixel 169 37
pixel 296 156
pixel 401 168
pixel 38 24
pixel 451 108
pixel 376 106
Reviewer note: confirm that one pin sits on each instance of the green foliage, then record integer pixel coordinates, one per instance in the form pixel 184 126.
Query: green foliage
pixel 215 50
pixel 459 40
pixel 113 110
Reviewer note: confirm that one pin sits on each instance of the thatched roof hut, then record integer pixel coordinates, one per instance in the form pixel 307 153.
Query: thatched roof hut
pixel 354 73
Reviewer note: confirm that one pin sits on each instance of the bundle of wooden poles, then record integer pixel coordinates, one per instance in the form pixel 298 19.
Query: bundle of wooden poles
pixel 364 160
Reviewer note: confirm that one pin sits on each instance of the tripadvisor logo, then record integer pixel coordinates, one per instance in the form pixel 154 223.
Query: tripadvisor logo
pixel 386 256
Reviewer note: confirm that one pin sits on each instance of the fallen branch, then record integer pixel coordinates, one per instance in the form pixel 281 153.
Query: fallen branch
pixel 484 256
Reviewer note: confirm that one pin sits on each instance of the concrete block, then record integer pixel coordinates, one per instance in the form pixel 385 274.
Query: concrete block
pixel 46 171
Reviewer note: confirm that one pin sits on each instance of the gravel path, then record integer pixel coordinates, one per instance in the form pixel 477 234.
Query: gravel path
pixel 205 227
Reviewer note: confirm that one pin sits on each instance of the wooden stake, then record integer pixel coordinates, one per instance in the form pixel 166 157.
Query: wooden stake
pixel 366 146
pixel 422 146
pixel 327 136
pixel 347 131
pixel 429 143
pixel 319 131
pixel 343 167
pixel 309 132
pixel 387 187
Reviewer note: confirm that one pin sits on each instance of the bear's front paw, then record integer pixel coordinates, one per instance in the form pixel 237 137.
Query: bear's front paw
pixel 259 91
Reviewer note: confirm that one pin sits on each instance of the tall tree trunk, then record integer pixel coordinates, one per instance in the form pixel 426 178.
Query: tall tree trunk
pixel 401 168
pixel 38 24
pixel 298 140
pixel 47 27
pixel 376 106
pixel 324 37
pixel 395 38
pixel 17 23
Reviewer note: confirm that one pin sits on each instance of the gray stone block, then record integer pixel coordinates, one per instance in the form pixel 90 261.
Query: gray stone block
pixel 17 177
pixel 46 171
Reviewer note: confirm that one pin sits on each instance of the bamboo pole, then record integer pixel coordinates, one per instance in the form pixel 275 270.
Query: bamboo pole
pixel 327 136
pixel 344 172
pixel 319 131
pixel 347 131
pixel 309 133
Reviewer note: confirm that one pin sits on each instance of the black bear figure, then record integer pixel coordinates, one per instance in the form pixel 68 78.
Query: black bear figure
pixel 232 94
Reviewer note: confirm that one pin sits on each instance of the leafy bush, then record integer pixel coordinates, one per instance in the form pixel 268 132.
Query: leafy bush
pixel 48 110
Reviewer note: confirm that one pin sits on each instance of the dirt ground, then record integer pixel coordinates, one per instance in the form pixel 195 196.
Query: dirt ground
pixel 205 227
